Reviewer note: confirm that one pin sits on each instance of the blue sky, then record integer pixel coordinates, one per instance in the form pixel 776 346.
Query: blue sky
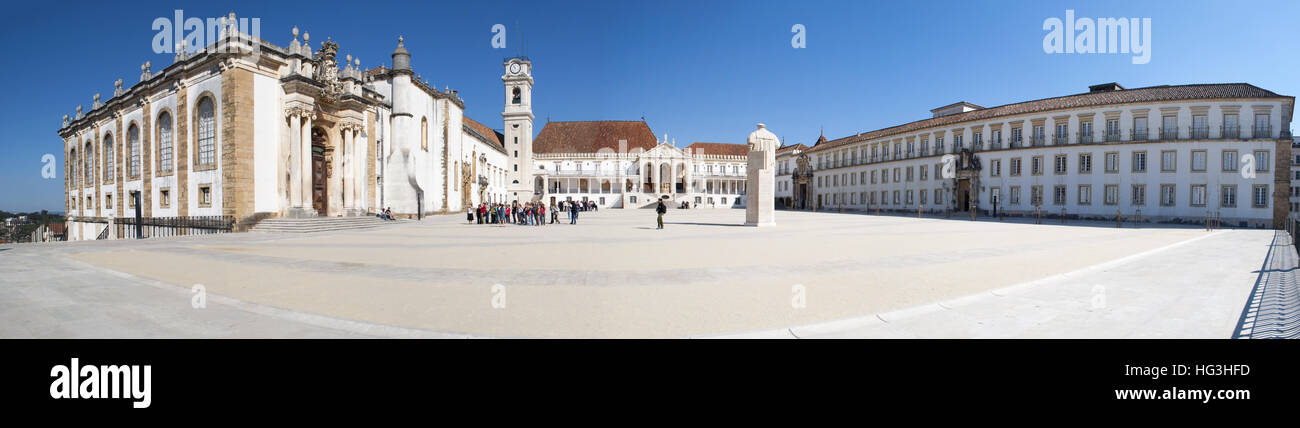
pixel 698 70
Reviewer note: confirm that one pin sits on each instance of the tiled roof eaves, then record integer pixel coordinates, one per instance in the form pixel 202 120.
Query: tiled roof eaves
pixel 1128 96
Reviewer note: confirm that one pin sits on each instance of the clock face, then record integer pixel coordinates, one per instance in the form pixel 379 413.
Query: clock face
pixel 515 68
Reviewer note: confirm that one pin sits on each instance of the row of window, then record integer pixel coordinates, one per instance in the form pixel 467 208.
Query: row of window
pixel 206 156
pixel 1197 195
pixel 1168 131
pixel 164 199
pixel 1168 163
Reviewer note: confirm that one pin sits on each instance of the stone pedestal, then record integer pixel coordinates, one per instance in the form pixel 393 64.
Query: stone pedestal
pixel 760 203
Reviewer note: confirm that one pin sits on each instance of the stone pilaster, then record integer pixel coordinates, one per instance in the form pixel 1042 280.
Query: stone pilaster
pixel 146 160
pixel 237 190
pixel 1281 182
pixel 181 147
pixel 119 170
pixel 371 155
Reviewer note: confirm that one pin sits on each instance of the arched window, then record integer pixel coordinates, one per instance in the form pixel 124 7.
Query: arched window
pixel 424 134
pixel 207 132
pixel 165 142
pixel 90 164
pixel 518 96
pixel 108 156
pixel 74 170
pixel 133 142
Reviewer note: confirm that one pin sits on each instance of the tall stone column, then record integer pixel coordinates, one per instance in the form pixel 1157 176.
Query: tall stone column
pixel 306 159
pixel 348 178
pixel 295 160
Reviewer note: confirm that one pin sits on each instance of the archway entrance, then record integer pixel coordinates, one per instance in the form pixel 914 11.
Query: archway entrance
pixel 319 173
pixel 963 195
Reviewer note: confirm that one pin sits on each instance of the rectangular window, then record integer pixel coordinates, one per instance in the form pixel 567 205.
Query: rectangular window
pixel 1058 195
pixel 164 199
pixel 925 172
pixel 1197 196
pixel 1231 129
pixel 1262 129
pixel 1228 196
pixel 1139 195
pixel 896 200
pixel 1085 194
pixel 205 196
pixel 1061 165
pixel 1169 129
pixel 922 197
pixel 1168 161
pixel 1112 129
pixel 1260 199
pixel 1085 163
pixel 1168 195
pixel 1112 194
pixel 1139 161
pixel 1198 160
pixel 1036 165
pixel 1229 161
pixel 1015 195
pixel 995 168
pixel 1015 167
pixel 1036 196
pixel 1261 160
pixel 1139 128
pixel 1200 127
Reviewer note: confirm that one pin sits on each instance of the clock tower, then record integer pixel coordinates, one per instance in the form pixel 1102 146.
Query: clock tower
pixel 518 118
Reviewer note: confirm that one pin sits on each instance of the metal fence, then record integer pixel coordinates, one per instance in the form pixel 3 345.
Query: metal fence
pixel 173 226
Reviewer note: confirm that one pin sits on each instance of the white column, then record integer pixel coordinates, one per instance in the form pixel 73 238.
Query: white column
pixel 307 176
pixel 348 183
pixel 295 160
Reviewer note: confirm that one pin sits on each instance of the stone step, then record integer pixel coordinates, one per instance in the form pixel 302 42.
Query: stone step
pixel 321 224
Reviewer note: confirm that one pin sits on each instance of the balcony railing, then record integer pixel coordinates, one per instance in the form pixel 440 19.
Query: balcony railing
pixel 1112 137
pixel 1199 132
pixel 1060 140
pixel 1230 131
pixel 1138 135
pixel 1265 131
pixel 1037 141
pixel 1168 133
pixel 1016 143
pixel 1085 138
pixel 995 143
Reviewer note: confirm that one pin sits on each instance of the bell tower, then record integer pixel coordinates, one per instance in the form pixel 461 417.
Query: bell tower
pixel 518 118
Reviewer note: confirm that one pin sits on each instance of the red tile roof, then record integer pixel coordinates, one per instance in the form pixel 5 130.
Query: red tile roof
pixel 1136 95
pixel 490 135
pixel 799 146
pixel 591 136
pixel 723 149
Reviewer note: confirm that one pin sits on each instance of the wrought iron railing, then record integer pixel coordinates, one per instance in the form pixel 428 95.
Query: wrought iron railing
pixel 172 226
pixel 1199 132
pixel 1230 131
pixel 1085 137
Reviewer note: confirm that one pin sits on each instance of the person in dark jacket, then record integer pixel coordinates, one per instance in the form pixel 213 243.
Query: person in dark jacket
pixel 661 209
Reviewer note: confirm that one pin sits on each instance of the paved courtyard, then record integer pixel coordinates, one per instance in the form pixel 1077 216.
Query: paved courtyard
pixel 615 275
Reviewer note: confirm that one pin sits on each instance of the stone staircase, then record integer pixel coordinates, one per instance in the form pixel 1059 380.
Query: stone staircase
pixel 319 224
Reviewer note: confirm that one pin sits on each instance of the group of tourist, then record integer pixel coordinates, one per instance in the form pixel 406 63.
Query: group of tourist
pixel 525 214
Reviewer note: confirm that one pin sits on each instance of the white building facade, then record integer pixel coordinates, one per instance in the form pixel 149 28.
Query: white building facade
pixel 244 130
pixel 1157 154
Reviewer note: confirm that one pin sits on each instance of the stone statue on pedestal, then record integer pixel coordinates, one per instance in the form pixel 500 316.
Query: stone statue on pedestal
pixel 760 202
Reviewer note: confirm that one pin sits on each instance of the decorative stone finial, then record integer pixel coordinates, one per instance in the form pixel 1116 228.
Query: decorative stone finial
pixel 761 126
pixel 65 121
pixel 306 37
pixel 401 43
pixel 295 32
pixel 96 104
pixel 145 74
pixel 117 87
pixel 79 115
